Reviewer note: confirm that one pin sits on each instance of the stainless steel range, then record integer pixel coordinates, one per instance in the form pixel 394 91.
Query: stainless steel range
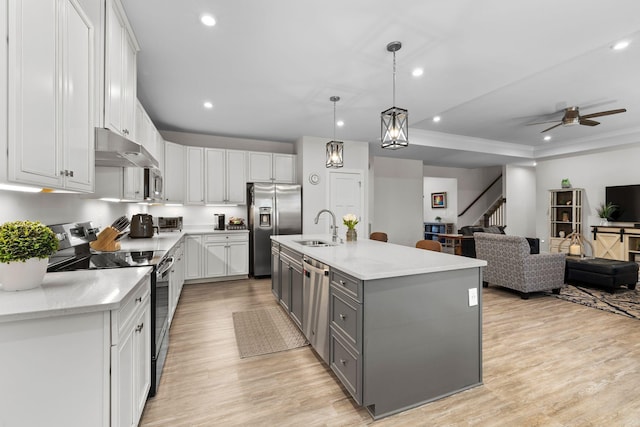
pixel 74 253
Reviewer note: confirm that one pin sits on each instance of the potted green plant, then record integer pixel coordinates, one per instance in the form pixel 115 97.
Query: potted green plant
pixel 25 247
pixel 438 219
pixel 605 211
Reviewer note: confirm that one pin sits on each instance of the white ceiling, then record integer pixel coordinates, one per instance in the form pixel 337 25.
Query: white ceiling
pixel 490 67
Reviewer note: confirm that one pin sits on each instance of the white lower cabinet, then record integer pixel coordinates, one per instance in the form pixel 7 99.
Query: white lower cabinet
pixel 176 278
pixel 217 255
pixel 82 369
pixel 131 358
pixel 193 257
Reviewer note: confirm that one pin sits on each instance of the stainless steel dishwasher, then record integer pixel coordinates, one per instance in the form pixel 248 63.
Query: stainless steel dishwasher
pixel 315 294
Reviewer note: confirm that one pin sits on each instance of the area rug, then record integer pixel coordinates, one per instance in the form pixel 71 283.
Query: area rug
pixel 624 301
pixel 264 331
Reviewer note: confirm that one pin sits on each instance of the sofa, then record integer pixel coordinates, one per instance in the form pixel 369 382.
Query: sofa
pixel 468 245
pixel 511 265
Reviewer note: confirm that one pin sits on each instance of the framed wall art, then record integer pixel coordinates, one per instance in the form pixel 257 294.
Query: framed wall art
pixel 439 200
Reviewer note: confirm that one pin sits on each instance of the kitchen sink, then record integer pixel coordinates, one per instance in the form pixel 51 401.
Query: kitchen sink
pixel 313 243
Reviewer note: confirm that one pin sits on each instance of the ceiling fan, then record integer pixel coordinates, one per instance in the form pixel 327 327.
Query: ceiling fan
pixel 572 117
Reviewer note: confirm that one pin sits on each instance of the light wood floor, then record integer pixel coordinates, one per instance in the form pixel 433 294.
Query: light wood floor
pixel 547 362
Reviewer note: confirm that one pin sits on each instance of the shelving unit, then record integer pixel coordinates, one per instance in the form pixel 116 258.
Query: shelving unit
pixel 565 216
pixel 432 229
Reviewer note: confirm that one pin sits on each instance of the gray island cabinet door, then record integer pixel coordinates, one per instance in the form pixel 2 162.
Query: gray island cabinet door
pixel 421 339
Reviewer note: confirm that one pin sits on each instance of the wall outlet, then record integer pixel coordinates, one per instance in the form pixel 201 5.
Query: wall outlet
pixel 473 297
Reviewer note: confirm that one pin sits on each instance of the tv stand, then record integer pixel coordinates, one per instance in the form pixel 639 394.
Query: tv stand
pixel 621 242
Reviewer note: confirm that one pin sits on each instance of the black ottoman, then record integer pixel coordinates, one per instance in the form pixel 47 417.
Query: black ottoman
pixel 603 272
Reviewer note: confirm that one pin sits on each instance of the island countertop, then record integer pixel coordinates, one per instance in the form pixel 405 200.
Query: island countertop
pixel 371 259
pixel 81 291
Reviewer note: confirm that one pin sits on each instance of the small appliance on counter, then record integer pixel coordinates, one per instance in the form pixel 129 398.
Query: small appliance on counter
pixel 236 224
pixel 219 221
pixel 169 223
pixel 108 239
pixel 141 226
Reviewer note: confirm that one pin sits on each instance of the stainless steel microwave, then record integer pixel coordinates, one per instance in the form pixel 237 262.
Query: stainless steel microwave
pixel 152 185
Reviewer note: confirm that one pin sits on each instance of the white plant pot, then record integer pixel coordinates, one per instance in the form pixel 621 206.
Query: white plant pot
pixel 19 276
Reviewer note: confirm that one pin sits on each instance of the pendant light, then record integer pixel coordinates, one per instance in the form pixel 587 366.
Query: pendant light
pixel 334 148
pixel 394 130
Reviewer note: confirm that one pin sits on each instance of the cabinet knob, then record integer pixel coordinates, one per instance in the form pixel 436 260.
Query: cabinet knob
pixel 343 283
pixel 343 316
pixel 343 362
pixel 139 327
pixel 139 299
pixel 71 173
pixel 61 173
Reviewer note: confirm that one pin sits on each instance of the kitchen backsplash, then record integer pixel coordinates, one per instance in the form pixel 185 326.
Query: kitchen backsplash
pixel 59 208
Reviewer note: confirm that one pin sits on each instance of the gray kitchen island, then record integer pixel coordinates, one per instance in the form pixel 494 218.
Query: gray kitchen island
pixel 403 325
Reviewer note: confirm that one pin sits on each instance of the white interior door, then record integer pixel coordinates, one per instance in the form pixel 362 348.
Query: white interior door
pixel 346 196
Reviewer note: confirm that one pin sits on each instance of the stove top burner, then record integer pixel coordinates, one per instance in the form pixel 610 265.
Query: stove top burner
pixel 104 260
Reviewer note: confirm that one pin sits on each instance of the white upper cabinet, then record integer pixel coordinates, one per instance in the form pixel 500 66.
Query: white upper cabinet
pixel 270 167
pixel 146 133
pixel 120 71
pixel 51 92
pixel 194 191
pixel 174 172
pixel 225 176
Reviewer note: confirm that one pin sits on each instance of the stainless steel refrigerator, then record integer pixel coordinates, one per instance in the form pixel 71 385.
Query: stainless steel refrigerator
pixel 272 209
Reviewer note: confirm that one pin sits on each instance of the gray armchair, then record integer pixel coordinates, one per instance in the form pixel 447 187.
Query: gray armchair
pixel 512 266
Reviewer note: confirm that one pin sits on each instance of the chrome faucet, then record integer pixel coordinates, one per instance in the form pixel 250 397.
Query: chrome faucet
pixel 334 236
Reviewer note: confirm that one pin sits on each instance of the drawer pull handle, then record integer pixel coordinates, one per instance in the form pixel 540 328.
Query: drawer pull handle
pixel 343 362
pixel 139 299
pixel 343 316
pixel 139 327
pixel 343 283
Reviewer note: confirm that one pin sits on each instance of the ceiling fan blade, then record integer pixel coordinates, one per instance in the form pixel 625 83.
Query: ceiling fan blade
pixel 555 126
pixel 588 122
pixel 541 123
pixel 603 113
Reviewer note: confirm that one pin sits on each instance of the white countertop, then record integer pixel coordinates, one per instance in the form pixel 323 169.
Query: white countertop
pixel 164 241
pixel 370 259
pixel 72 292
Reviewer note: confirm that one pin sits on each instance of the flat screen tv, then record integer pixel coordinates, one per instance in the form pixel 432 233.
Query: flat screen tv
pixel 627 198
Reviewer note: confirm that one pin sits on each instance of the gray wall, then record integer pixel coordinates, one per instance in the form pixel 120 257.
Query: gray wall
pixel 213 141
pixel 397 204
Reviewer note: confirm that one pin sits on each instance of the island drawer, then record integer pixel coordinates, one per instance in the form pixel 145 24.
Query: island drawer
pixel 346 364
pixel 346 314
pixel 348 284
pixel 293 255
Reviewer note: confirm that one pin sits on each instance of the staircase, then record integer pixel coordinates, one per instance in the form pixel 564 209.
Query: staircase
pixel 495 214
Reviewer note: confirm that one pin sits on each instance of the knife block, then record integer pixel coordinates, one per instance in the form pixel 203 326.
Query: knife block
pixel 106 240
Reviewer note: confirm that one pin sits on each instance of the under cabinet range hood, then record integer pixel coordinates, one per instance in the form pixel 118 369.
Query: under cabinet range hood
pixel 115 150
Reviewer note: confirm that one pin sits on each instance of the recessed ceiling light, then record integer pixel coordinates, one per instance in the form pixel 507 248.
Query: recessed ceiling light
pixel 417 72
pixel 208 105
pixel 623 44
pixel 436 119
pixel 208 20
pixel 547 138
pixel 340 123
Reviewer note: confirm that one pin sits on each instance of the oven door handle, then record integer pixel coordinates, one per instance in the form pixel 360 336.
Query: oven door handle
pixel 168 263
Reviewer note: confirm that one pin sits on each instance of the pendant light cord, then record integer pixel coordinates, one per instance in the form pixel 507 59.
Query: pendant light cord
pixel 394 79
pixel 334 120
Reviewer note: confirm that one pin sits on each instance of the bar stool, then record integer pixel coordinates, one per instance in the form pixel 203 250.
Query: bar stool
pixel 378 235
pixel 430 245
